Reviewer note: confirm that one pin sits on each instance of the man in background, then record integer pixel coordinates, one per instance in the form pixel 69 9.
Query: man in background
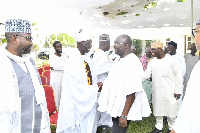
pixel 190 59
pixel 166 86
pixel 57 62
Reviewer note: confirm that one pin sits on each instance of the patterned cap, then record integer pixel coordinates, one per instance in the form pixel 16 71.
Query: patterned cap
pixel 17 25
pixel 104 37
pixel 157 45
pixel 198 21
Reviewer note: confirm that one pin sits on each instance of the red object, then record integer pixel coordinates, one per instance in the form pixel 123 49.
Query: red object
pixel 46 68
pixel 47 74
pixel 40 70
pixel 51 105
pixel 53 118
pixel 43 79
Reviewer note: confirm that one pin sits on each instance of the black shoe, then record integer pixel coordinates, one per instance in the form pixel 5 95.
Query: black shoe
pixel 169 131
pixel 156 131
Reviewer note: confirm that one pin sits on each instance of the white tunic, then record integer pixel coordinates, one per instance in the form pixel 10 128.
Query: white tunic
pixel 166 80
pixel 189 115
pixel 102 66
pixel 10 103
pixel 124 78
pixel 57 75
pixel 77 110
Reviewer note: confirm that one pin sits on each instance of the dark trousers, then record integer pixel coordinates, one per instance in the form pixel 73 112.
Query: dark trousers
pixel 116 128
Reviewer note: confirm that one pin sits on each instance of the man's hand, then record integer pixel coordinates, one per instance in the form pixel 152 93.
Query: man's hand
pixel 122 122
pixel 177 96
pixel 100 84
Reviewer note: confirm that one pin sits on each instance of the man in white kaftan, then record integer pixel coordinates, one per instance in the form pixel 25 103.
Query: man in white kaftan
pixel 102 65
pixel 171 48
pixel 23 106
pixel 166 86
pixel 77 112
pixel 189 115
pixel 57 62
pixel 124 81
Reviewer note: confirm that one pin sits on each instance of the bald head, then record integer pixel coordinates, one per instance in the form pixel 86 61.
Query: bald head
pixel 123 45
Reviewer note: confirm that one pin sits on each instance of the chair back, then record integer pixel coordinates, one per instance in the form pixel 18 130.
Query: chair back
pixel 51 105
pixel 47 74
pixel 43 79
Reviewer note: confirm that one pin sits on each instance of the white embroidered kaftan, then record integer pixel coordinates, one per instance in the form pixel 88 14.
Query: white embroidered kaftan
pixel 57 75
pixel 77 110
pixel 167 79
pixel 124 78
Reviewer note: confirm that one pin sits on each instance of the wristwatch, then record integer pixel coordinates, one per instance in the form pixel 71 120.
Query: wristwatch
pixel 124 117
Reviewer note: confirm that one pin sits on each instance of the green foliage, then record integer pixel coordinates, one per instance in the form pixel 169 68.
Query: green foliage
pixel 150 5
pixel 181 0
pixel 146 125
pixel 65 39
pixel 148 43
pixel 137 14
pixel 121 13
pixel 138 45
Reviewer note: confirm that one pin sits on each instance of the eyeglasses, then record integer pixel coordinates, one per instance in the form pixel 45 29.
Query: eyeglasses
pixel 27 37
pixel 194 31
pixel 119 43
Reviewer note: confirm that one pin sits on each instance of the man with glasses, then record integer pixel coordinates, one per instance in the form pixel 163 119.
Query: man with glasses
pixel 23 107
pixel 122 95
pixel 188 117
pixel 167 83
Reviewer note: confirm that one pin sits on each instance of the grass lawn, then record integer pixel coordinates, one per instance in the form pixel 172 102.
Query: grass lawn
pixel 146 125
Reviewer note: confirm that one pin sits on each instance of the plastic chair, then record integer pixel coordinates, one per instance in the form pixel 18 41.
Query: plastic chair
pixel 47 74
pixel 51 105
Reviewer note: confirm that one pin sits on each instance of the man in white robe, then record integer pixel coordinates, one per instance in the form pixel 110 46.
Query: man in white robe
pixel 166 86
pixel 23 106
pixel 57 62
pixel 190 59
pixel 77 112
pixel 122 95
pixel 102 65
pixel 171 48
pixel 188 117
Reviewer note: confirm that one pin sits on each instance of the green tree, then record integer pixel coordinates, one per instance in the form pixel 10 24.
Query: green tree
pixel 148 43
pixel 138 45
pixel 65 39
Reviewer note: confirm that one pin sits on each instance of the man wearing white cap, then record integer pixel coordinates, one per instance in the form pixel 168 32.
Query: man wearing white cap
pixel 23 107
pixel 166 86
pixel 102 65
pixel 77 112
pixel 188 117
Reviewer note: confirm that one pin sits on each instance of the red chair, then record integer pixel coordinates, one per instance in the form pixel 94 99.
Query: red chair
pixel 47 74
pixel 51 105
pixel 43 79
pixel 46 68
pixel 40 70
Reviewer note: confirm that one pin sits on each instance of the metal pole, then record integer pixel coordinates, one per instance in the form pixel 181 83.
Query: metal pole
pixel 191 20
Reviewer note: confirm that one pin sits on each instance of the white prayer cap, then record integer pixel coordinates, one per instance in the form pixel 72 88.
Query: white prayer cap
pixel 79 37
pixel 17 25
